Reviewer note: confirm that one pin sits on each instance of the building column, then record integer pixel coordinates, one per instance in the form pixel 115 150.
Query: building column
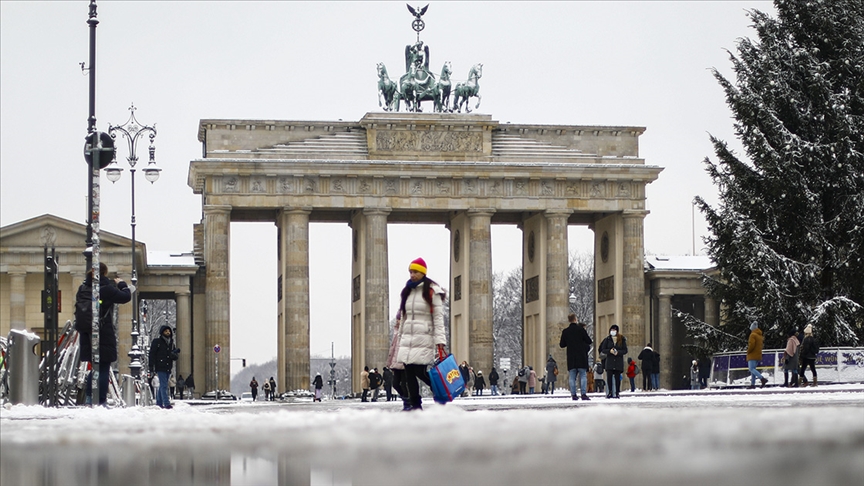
pixel 711 312
pixel 294 236
pixel 633 288
pixel 557 287
pixel 17 300
pixel 664 333
pixel 217 238
pixel 184 332
pixel 376 290
pixel 480 353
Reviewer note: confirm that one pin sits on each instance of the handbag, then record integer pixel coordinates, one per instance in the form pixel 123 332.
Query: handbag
pixel 391 354
pixel 446 379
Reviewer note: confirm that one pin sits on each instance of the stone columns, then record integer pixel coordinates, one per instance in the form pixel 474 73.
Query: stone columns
pixel 184 332
pixel 557 286
pixel 664 333
pixel 17 298
pixel 633 284
pixel 376 290
pixel 217 237
pixel 480 284
pixel 294 306
pixel 711 312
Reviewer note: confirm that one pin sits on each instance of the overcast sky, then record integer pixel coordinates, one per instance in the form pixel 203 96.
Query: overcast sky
pixel 582 63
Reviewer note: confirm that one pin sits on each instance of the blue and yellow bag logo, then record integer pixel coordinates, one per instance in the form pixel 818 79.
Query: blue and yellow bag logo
pixel 452 375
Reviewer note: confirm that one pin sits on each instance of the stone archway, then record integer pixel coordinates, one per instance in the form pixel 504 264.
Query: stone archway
pixel 464 171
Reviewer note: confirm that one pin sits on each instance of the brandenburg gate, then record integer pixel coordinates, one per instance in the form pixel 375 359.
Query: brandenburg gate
pixel 464 171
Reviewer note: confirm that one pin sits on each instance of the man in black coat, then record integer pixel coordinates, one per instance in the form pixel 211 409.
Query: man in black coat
pixel 578 343
pixel 110 293
pixel 162 357
pixel 646 356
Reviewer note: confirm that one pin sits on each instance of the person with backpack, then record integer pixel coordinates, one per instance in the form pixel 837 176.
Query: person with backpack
pixel 163 354
pixel 110 293
pixel 272 389
pixel 266 388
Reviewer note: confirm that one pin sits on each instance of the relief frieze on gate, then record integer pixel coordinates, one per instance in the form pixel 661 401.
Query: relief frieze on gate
pixel 428 141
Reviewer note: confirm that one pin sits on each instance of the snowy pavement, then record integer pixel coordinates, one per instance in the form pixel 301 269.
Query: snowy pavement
pixel 735 437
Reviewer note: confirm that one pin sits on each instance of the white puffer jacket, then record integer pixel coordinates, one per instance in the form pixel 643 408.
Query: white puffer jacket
pixel 420 330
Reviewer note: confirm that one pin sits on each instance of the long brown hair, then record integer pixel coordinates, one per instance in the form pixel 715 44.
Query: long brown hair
pixel 425 291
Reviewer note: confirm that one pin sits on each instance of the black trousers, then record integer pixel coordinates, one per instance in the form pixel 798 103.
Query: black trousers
pixel 804 363
pixel 413 373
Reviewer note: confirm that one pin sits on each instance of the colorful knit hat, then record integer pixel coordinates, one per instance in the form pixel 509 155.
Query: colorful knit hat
pixel 418 265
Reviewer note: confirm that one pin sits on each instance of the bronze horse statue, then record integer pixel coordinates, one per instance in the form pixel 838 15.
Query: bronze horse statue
pixel 386 89
pixel 466 90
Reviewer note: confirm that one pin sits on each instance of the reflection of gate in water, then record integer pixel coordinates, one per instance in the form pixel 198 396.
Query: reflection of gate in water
pixel 833 365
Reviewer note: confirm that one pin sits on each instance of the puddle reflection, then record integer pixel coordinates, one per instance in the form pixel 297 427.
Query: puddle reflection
pixel 60 467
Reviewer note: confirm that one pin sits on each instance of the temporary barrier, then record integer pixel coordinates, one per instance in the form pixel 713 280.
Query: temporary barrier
pixel 833 365
pixel 23 367
pixel 129 390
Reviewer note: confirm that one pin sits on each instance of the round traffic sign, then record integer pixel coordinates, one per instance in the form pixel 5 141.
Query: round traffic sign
pixel 217 348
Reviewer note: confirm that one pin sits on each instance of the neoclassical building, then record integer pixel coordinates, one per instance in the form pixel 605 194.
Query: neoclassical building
pixel 465 172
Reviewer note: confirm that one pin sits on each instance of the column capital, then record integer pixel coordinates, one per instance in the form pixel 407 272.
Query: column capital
pixel 217 208
pixel 558 213
pixel 479 212
pixel 183 293
pixel 635 213
pixel 297 210
pixel 377 211
pixel 17 272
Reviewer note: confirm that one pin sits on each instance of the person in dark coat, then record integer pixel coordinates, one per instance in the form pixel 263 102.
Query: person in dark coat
pixel 190 385
pixel 163 354
pixel 493 382
pixel 646 356
pixel 655 377
pixel 612 349
pixel 479 384
pixel 319 385
pixel 253 385
pixel 387 375
pixel 181 385
pixel 272 389
pixel 551 375
pixel 110 293
pixel 808 354
pixel 578 343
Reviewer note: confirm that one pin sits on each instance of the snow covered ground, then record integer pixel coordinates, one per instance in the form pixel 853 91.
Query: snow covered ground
pixel 735 437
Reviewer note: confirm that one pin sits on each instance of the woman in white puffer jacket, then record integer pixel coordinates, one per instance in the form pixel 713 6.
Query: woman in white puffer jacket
pixel 421 329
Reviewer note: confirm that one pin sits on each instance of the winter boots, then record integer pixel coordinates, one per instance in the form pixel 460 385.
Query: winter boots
pixel 763 382
pixel 815 380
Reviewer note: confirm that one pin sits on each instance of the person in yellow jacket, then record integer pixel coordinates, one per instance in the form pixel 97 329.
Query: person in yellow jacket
pixel 754 354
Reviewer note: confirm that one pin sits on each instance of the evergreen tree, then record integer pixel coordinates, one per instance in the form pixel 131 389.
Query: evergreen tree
pixel 787 233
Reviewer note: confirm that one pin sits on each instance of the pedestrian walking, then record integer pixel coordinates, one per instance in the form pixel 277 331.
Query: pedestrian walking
pixel 646 356
pixel 493 382
pixel 162 356
pixel 387 376
pixel 694 376
pixel 754 354
pixel 190 386
pixel 181 385
pixel 375 382
pixel 790 359
pixel 551 374
pixel 266 388
pixel 631 374
pixel 465 371
pixel 318 383
pixel 364 384
pixel 479 384
pixel 111 292
pixel 578 343
pixel 421 312
pixel 809 353
pixel 272 389
pixel 612 350
pixel 253 386
pixel 523 376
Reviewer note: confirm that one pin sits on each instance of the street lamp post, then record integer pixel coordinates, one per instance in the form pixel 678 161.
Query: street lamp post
pixel 131 131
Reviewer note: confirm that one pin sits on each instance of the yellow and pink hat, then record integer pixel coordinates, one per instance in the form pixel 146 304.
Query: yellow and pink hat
pixel 418 265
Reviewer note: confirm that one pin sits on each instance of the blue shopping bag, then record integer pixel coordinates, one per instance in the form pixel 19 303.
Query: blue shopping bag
pixel 446 379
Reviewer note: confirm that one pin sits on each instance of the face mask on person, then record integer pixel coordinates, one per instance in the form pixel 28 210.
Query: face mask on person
pixel 613 333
